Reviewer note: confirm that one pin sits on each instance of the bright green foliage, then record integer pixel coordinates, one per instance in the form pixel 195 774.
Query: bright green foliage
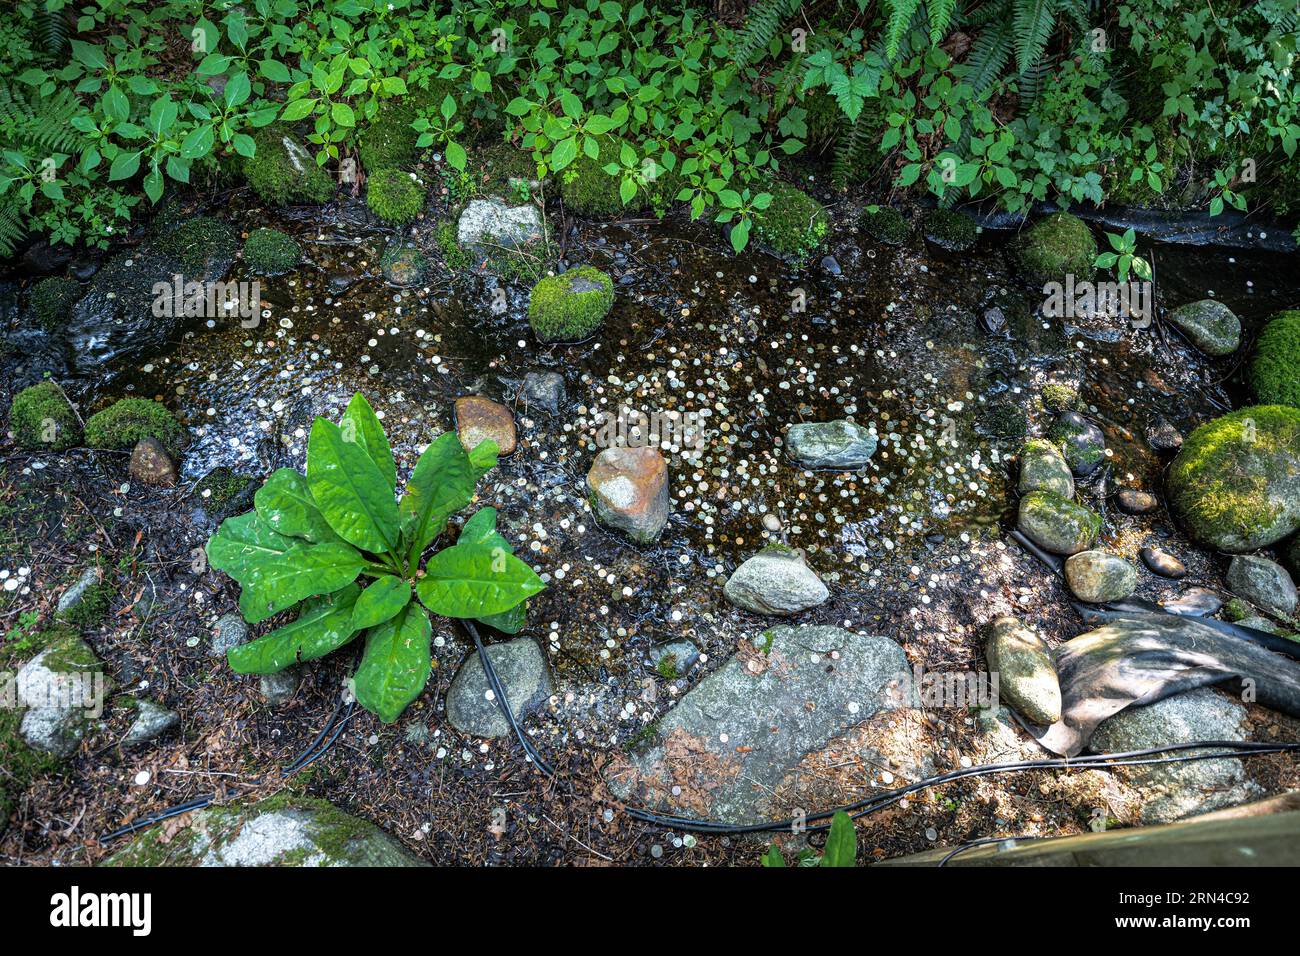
pixel 125 422
pixel 93 607
pixel 389 140
pixel 41 417
pixel 841 847
pixel 570 307
pixel 950 230
pixel 1059 245
pixel 283 170
pixel 1275 370
pixel 394 195
pixel 1059 398
pixel 886 224
pixel 52 300
pixel 310 538
pixel 271 252
pixel 794 223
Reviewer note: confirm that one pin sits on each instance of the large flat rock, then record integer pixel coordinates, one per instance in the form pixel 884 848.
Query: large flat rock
pixel 726 747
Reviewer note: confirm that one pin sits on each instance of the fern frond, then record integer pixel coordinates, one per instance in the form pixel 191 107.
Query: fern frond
pixel 761 25
pixel 1033 21
pixel 856 147
pixel 900 18
pixel 11 226
pixel 940 13
pixel 1031 83
pixel 51 29
pixel 988 55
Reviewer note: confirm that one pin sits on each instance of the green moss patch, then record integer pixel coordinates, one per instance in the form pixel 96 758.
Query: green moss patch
pixel 795 223
pixel 389 139
pixel 1060 398
pixel 570 307
pixel 950 230
pixel 1275 370
pixel 283 170
pixel 52 299
pixel 1051 249
pixel 886 224
pixel 42 417
pixel 125 422
pixel 271 252
pixel 395 196
pixel 203 246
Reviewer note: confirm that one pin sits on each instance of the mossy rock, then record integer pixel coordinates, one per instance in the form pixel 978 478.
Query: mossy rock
pixel 589 191
pixel 125 422
pixel 41 417
pixel 950 230
pixel 284 830
pixel 1057 524
pixel 1210 325
pixel 505 170
pixel 203 246
pixel 571 306
pixel 794 224
pixel 395 196
pixel 388 140
pixel 221 490
pixel 271 252
pixel 403 263
pixel 52 299
pixel 58 650
pixel 1236 481
pixel 93 607
pixel 1054 247
pixel 283 169
pixel 886 224
pixel 1275 370
pixel 1060 398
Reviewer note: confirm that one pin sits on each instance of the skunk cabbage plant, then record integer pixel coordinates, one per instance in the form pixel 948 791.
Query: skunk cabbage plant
pixel 346 552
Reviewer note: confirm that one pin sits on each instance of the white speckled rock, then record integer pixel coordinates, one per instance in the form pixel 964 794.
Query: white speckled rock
pixel 491 222
pixel 775 581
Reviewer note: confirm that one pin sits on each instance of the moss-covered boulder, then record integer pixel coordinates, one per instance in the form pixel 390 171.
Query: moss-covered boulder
pixel 1043 468
pixel 56 696
pixel 1275 369
pixel 51 300
pixel 1057 524
pixel 279 831
pixel 794 223
pixel 41 417
pixel 950 230
pixel 570 307
pixel 403 263
pixel 1058 397
pixel 389 140
pixel 395 196
pixel 1054 247
pixel 271 252
pixel 1081 442
pixel 588 190
pixel 1236 482
pixel 283 170
pixel 204 246
pixel 1210 325
pixel 885 224
pixel 125 422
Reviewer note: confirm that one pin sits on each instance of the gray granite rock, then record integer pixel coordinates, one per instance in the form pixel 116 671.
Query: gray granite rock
pixel 1263 583
pixel 489 223
pixel 59 691
pixel 231 631
pixel 297 831
pixel 277 688
pixel 735 736
pixel 839 445
pixel 522 669
pixel 151 721
pixel 77 590
pixel 544 390
pixel 1172 791
pixel 1210 325
pixel 676 656
pixel 775 581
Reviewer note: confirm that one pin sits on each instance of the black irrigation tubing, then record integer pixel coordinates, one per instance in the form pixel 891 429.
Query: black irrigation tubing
pixel 311 753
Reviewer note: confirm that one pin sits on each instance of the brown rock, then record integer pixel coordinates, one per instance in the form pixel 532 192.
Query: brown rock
pixel 479 418
pixel 151 464
pixel 629 491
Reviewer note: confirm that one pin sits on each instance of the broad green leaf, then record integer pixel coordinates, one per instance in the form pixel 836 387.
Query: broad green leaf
pixel 324 625
pixel 360 424
pixel 508 622
pixel 441 485
pixel 243 542
pixel 350 490
pixel 286 505
pixel 481 530
pixel 304 571
pixel 395 666
pixel 841 842
pixel 381 601
pixel 773 857
pixel 474 581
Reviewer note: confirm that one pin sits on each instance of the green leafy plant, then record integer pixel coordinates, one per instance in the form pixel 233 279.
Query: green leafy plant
pixel 309 539
pixel 1124 257
pixel 841 847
